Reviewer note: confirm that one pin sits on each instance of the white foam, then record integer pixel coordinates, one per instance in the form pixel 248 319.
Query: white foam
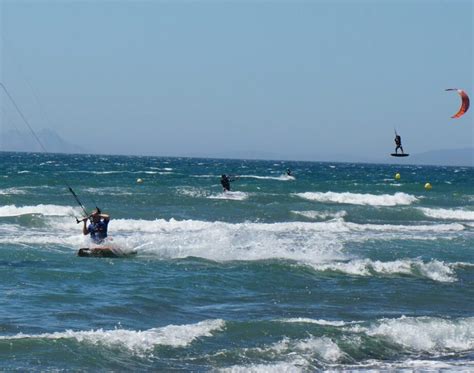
pixel 323 347
pixel 431 366
pixel 320 214
pixel 191 192
pixel 283 177
pixel 49 210
pixel 427 334
pixel 111 191
pixel 434 269
pixel 221 241
pixel 320 245
pixel 137 342
pixel 306 241
pixel 409 365
pixel 360 199
pixel 305 320
pixel 237 196
pixel 393 228
pixel 451 214
pixel 11 191
pixel 263 368
pixel 103 172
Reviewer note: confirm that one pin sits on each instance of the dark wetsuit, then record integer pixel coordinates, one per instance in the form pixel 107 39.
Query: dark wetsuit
pixel 225 182
pixel 398 143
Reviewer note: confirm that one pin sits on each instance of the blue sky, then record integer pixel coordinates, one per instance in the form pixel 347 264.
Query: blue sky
pixel 295 80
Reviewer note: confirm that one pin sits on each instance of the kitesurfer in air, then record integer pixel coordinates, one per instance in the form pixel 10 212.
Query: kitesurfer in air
pixel 98 226
pixel 398 143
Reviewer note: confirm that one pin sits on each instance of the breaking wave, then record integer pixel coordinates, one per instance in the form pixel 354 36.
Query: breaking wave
pixel 137 342
pixel 360 199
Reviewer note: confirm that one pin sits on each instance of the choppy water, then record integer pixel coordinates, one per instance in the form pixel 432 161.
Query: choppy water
pixel 342 268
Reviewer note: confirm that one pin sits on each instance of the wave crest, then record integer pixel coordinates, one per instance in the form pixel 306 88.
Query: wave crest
pixel 360 199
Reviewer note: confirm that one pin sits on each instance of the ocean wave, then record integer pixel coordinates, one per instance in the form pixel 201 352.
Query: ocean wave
pixel 279 178
pixel 449 214
pixel 369 346
pixel 112 191
pixel 321 214
pixel 264 368
pixel 304 242
pixel 205 176
pixel 295 229
pixel 305 320
pixel 191 192
pixel 236 196
pixel 427 334
pixel 47 210
pixel 323 347
pixel 434 270
pixel 402 229
pixel 11 191
pixel 137 342
pixel 360 199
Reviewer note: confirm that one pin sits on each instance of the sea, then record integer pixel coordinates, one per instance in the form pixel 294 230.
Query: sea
pixel 341 267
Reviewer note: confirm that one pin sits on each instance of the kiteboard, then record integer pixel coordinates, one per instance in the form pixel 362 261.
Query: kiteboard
pixel 104 252
pixel 399 154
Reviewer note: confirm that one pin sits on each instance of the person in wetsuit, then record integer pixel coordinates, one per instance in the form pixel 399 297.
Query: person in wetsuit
pixel 98 226
pixel 398 143
pixel 225 182
pixel 288 172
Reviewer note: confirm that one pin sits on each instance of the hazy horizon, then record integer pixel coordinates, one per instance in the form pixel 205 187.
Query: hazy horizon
pixel 56 145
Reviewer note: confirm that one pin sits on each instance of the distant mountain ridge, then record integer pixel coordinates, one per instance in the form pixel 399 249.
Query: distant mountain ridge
pixel 17 141
pixel 445 157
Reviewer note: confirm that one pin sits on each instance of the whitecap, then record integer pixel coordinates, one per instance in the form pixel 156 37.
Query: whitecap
pixel 237 196
pixel 398 198
pixel 450 214
pixel 51 210
pixel 427 334
pixel 283 177
pixel 137 342
pixel 434 269
pixel 321 214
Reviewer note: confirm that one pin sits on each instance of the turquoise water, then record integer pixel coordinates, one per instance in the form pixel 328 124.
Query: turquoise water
pixel 341 268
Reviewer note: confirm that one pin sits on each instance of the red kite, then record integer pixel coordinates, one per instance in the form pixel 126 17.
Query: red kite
pixel 464 103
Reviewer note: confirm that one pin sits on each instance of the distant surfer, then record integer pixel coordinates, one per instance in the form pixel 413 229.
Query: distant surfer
pixel 288 172
pixel 398 143
pixel 225 182
pixel 98 226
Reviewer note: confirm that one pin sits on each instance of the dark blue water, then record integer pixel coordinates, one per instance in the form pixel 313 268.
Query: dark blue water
pixel 340 268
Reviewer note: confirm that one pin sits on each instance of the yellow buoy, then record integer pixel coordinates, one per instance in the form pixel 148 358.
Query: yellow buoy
pixel 427 186
pixel 397 176
pixel 139 181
